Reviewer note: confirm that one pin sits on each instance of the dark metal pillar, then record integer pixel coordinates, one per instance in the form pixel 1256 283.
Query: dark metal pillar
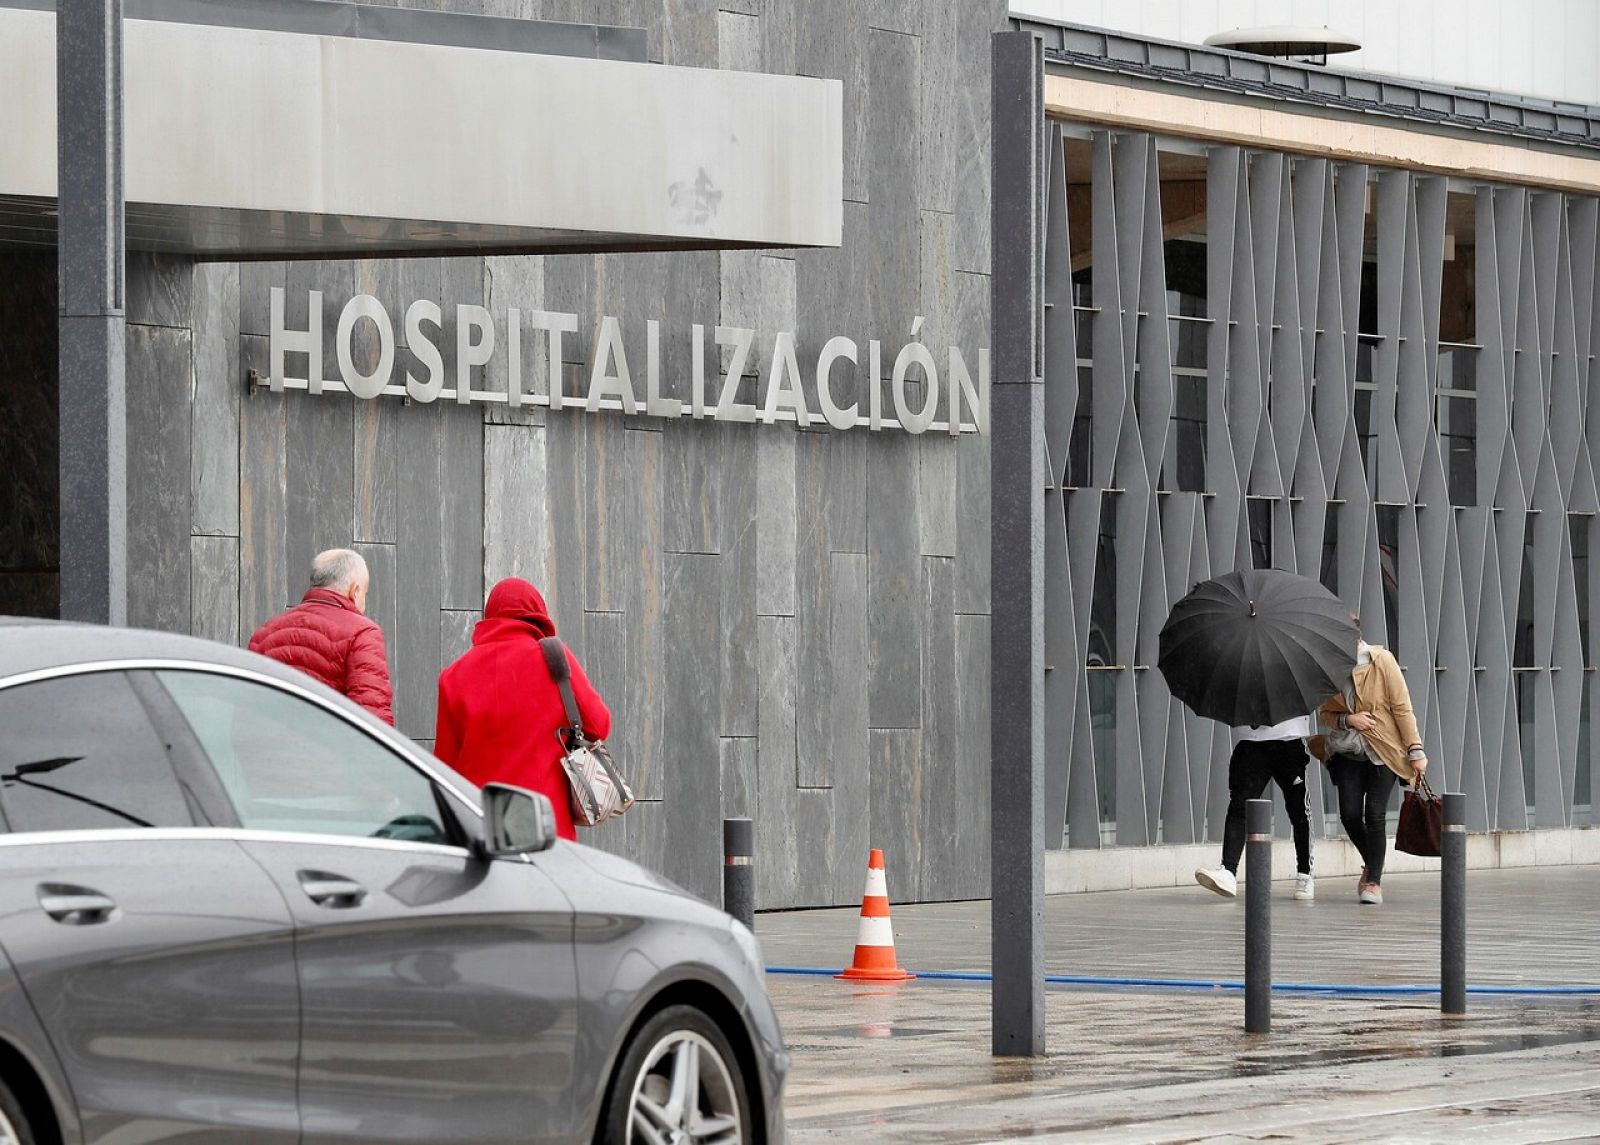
pixel 1453 906
pixel 1017 477
pixel 1258 917
pixel 92 351
pixel 738 870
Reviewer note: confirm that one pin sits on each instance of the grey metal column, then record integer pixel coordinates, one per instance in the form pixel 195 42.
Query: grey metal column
pixel 1258 917
pixel 92 350
pixel 1018 477
pixel 1453 906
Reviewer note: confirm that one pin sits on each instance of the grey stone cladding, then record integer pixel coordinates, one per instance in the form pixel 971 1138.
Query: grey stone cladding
pixel 788 624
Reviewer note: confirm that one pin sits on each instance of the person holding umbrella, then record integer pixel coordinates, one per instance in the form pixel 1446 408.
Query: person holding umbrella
pixel 1274 754
pixel 1258 649
pixel 1373 742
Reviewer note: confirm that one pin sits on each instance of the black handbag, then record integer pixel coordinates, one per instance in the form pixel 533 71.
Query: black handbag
pixel 1421 821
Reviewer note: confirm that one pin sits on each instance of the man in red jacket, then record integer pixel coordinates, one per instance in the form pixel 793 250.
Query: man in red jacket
pixel 328 636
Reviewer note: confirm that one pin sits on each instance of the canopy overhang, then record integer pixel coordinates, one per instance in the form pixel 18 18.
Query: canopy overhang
pixel 245 142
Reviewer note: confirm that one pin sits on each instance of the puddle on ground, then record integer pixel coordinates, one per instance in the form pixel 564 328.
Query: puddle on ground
pixel 878 1030
pixel 1511 1042
pixel 1488 1044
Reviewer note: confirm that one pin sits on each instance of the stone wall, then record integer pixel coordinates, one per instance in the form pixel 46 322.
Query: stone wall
pixel 788 624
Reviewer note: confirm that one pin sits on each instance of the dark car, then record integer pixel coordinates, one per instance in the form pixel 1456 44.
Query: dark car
pixel 235 907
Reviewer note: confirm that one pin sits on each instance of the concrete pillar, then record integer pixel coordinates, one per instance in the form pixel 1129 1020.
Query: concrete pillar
pixel 1018 479
pixel 92 349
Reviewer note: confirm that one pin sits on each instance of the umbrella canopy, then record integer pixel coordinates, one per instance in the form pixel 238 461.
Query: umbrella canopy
pixel 1257 647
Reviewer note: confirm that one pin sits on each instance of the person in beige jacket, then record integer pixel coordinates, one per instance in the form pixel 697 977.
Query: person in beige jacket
pixel 1372 744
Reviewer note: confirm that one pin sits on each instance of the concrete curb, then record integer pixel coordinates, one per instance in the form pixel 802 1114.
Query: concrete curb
pixel 1128 868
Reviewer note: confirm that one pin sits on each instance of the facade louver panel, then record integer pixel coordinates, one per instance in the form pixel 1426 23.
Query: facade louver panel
pixel 1393 374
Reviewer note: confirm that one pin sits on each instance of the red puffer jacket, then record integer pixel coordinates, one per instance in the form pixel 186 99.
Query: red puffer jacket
pixel 329 640
pixel 499 710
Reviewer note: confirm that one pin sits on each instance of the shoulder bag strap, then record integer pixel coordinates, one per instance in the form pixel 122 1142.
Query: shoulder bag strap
pixel 555 657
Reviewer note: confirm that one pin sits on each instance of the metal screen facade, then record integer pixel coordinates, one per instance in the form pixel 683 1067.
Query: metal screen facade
pixel 1376 377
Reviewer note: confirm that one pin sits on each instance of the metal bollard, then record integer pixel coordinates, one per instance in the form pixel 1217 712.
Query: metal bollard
pixel 1453 906
pixel 1258 917
pixel 738 870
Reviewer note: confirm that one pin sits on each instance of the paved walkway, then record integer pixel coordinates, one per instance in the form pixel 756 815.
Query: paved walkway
pixel 911 1063
pixel 1529 925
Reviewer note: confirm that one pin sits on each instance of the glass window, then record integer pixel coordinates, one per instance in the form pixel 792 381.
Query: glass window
pixel 1578 531
pixel 80 753
pixel 1185 464
pixel 289 765
pixel 1522 657
pixel 1079 451
pixel 1102 665
pixel 1458 303
pixel 1582 801
pixel 1522 638
pixel 1583 787
pixel 1083 315
pixel 1524 683
pixel 1366 432
pixel 1259 512
pixel 1330 549
pixel 1389 571
pixel 1456 416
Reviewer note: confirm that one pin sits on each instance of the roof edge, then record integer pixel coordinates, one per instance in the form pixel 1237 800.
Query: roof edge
pixel 368 22
pixel 1366 93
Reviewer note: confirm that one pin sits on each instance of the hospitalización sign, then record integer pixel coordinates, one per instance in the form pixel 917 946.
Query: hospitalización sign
pixel 915 396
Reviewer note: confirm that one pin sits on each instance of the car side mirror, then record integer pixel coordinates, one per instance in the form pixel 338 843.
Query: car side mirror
pixel 516 821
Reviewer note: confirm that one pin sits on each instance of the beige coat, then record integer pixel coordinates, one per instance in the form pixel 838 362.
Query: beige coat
pixel 1381 691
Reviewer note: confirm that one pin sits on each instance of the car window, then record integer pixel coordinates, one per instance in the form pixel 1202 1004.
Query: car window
pixel 289 765
pixel 79 753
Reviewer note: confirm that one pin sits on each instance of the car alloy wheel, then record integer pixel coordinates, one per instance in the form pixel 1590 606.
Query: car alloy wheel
pixel 685 1094
pixel 14 1128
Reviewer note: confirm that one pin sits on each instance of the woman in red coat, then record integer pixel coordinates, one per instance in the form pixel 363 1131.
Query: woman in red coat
pixel 499 710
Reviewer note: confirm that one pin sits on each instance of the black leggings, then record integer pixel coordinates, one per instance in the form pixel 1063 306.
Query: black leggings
pixel 1364 792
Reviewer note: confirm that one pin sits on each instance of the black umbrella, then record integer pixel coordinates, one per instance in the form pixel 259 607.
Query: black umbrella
pixel 1257 647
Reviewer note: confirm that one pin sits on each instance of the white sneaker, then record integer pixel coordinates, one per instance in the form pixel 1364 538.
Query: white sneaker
pixel 1305 888
pixel 1218 879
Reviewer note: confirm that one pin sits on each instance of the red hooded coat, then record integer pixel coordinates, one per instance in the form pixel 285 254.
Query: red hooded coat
pixel 499 710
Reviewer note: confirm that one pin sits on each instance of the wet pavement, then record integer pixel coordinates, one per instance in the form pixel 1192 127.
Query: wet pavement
pixel 911 1062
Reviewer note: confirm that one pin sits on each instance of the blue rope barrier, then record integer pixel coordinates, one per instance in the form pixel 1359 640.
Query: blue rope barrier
pixel 1208 984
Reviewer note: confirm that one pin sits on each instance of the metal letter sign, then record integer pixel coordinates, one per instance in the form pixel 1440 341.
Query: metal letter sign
pixel 920 398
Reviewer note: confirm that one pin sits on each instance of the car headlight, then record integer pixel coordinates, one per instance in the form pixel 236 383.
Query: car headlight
pixel 749 945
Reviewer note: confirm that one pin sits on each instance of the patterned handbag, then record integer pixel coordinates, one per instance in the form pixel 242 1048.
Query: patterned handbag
pixel 598 790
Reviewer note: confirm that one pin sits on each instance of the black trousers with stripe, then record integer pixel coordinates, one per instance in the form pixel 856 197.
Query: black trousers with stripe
pixel 1254 764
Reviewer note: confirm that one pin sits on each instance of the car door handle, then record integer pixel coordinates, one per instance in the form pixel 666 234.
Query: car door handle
pixel 75 906
pixel 331 890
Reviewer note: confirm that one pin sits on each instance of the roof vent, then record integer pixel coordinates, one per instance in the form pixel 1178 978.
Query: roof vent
pixel 1306 45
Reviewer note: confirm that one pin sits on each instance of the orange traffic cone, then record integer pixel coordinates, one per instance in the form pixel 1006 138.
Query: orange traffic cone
pixel 875 960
